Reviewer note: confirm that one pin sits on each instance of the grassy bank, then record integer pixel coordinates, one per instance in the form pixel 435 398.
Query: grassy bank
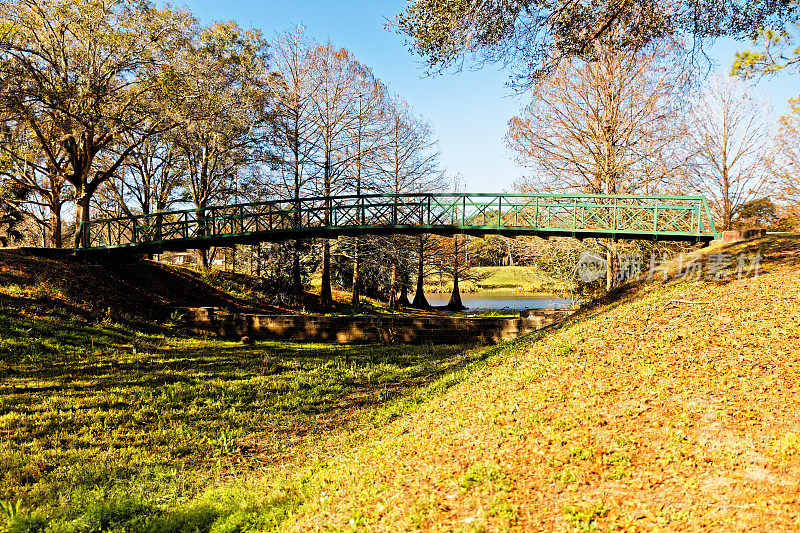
pixel 515 278
pixel 108 428
pixel 672 406
pixel 133 290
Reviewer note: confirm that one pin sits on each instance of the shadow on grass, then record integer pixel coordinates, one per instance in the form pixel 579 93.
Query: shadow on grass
pixel 85 408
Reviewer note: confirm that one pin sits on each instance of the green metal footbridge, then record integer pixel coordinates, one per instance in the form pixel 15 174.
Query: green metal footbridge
pixel 666 218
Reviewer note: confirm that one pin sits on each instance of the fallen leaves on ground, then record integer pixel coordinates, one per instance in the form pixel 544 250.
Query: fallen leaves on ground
pixel 674 407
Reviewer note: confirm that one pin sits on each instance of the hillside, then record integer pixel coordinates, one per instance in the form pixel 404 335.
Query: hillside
pixel 670 405
pixel 141 289
pixel 673 405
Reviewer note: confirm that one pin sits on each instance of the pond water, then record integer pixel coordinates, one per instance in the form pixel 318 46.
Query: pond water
pixel 491 300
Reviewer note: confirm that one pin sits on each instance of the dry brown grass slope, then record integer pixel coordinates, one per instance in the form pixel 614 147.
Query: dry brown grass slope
pixel 138 288
pixel 674 407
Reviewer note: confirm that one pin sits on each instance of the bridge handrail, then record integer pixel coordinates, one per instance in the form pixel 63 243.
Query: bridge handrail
pixel 409 195
pixel 462 210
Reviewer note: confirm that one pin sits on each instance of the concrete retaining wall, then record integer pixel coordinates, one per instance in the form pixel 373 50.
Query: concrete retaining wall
pixel 742 235
pixel 367 329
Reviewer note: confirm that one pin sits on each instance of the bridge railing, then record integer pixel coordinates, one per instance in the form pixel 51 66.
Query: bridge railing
pixel 626 216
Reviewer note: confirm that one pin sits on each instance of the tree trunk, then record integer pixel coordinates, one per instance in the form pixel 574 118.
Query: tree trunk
pixel 611 266
pixel 393 287
pixel 202 256
pixel 56 239
pixel 726 201
pixel 325 293
pixel 420 302
pixel 355 299
pixel 82 204
pixel 455 298
pixel 403 300
pixel 297 281
pixel 201 253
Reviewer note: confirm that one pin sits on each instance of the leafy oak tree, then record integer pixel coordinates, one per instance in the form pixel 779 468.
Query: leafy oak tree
pixel 79 74
pixel 532 36
pixel 152 180
pixel 23 162
pixel 222 75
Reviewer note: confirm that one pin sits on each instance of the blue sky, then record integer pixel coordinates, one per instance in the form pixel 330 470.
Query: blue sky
pixel 469 110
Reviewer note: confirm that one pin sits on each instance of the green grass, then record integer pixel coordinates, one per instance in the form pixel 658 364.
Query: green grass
pixel 517 278
pixel 487 313
pixel 584 518
pixel 106 428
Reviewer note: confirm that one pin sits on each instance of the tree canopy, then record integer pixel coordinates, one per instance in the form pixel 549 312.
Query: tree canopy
pixel 774 49
pixel 532 36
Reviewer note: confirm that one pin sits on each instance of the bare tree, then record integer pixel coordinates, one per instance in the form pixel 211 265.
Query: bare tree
pixel 451 255
pixel 368 137
pixel 786 163
pixel 732 143
pixel 425 251
pixel 612 126
pixel 333 117
pixel 293 86
pixel 409 164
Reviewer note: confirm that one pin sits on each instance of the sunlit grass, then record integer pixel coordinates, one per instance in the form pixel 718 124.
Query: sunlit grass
pixel 102 423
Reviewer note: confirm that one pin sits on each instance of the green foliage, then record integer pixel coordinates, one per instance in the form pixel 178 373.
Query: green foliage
pixel 491 250
pixel 505 510
pixel 227 444
pixel 788 444
pixel 10 510
pixel 12 196
pixel 584 518
pixel 776 48
pixel 565 349
pixel 175 320
pixel 761 213
pixel 565 476
pixel 486 476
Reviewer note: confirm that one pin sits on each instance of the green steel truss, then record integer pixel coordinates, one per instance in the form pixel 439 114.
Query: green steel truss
pixel 674 218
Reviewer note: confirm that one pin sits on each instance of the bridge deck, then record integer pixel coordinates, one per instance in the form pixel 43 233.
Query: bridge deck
pixel 672 218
